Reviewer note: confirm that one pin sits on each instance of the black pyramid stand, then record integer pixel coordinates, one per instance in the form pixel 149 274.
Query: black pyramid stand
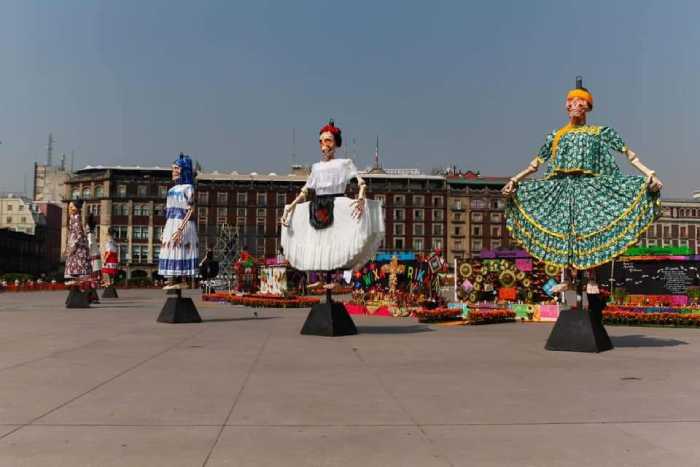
pixel 178 309
pixel 77 299
pixel 110 292
pixel 580 330
pixel 92 295
pixel 329 319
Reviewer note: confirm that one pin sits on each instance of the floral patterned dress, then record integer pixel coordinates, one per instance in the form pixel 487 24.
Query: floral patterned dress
pixel 585 211
pixel 77 252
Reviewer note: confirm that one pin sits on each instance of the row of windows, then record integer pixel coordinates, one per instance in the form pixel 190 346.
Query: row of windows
pixel 10 207
pixel 142 191
pixel 418 229
pixel 10 219
pixel 418 215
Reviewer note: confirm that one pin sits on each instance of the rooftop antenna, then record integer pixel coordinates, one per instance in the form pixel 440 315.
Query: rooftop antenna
pixel 294 146
pixel 49 150
pixel 72 160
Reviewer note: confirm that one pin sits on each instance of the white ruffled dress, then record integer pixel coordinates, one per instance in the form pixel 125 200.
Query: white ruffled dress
pixel 348 243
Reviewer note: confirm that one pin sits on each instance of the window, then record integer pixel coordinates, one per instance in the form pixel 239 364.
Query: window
pixel 399 229
pixel 438 229
pixel 140 232
pixel 9 207
pixel 457 216
pixel 495 232
pixel 123 253
pixel 203 197
pixel 458 245
pixel 683 231
pixel 140 253
pixel 381 199
pixel 94 209
pixel 495 244
pixel 496 217
pixel 261 212
pixel 156 253
pixel 75 194
pixel 99 191
pixel 121 191
pixel 398 243
pixel 417 244
pixel 418 200
pixel 120 232
pixel 476 231
pixel 242 199
pixel 260 247
pixel 138 209
pixel 477 245
pixel 141 191
pixel 418 230
pixel 241 212
pixel 162 191
pixel 158 209
pixel 120 209
pixel 221 197
pixel 221 215
pixel 477 217
pixel 9 219
pixel 458 204
pixel 202 215
pixel 437 201
pixel 437 243
pixel 281 199
pixel 399 215
pixel 23 220
pixel 458 232
pixel 157 234
pixel 262 199
pixel 260 227
pixel 399 200
pixel 438 215
pixel 683 242
pixel 87 194
pixel 20 207
pixel 418 215
pixel 667 231
pixel 478 204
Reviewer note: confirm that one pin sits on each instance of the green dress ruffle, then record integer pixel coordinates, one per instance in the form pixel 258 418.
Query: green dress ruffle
pixel 585 211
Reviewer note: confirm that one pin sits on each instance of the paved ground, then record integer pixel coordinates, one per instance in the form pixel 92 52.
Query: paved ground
pixel 109 386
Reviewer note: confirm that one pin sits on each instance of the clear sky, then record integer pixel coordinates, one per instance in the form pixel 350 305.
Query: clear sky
pixel 475 84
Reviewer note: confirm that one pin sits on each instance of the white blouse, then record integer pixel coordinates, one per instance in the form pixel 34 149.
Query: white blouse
pixel 331 177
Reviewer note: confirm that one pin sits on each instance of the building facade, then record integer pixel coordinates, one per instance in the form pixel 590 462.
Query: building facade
pixel 132 201
pixel 679 225
pixel 476 215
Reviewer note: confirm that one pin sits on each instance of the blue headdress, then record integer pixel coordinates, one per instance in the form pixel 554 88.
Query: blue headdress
pixel 186 170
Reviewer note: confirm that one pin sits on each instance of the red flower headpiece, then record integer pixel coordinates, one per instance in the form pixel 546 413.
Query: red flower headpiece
pixel 331 128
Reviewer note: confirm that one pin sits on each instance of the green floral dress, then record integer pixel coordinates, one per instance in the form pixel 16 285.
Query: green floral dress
pixel 585 211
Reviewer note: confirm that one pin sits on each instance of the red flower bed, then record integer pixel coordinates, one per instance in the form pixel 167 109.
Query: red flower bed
pixel 426 315
pixel 491 316
pixel 659 319
pixel 272 301
pixel 335 291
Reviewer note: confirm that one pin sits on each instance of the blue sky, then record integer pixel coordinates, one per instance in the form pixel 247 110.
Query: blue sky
pixel 476 84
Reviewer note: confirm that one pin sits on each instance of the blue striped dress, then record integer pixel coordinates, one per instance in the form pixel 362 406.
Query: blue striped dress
pixel 181 259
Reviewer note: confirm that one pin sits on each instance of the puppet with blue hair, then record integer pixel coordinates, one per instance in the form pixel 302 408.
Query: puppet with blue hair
pixel 179 249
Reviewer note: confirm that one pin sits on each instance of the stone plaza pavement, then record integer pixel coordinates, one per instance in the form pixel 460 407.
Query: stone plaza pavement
pixel 109 386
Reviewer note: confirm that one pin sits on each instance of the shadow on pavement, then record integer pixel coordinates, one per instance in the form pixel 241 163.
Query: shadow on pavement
pixel 639 340
pixel 248 318
pixel 393 329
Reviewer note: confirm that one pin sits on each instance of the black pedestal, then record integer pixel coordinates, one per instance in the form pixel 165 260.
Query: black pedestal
pixel 329 319
pixel 92 295
pixel 580 330
pixel 77 299
pixel 178 309
pixel 110 292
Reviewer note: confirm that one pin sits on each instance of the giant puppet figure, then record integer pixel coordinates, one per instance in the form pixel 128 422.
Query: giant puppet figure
pixel 585 211
pixel 322 229
pixel 179 249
